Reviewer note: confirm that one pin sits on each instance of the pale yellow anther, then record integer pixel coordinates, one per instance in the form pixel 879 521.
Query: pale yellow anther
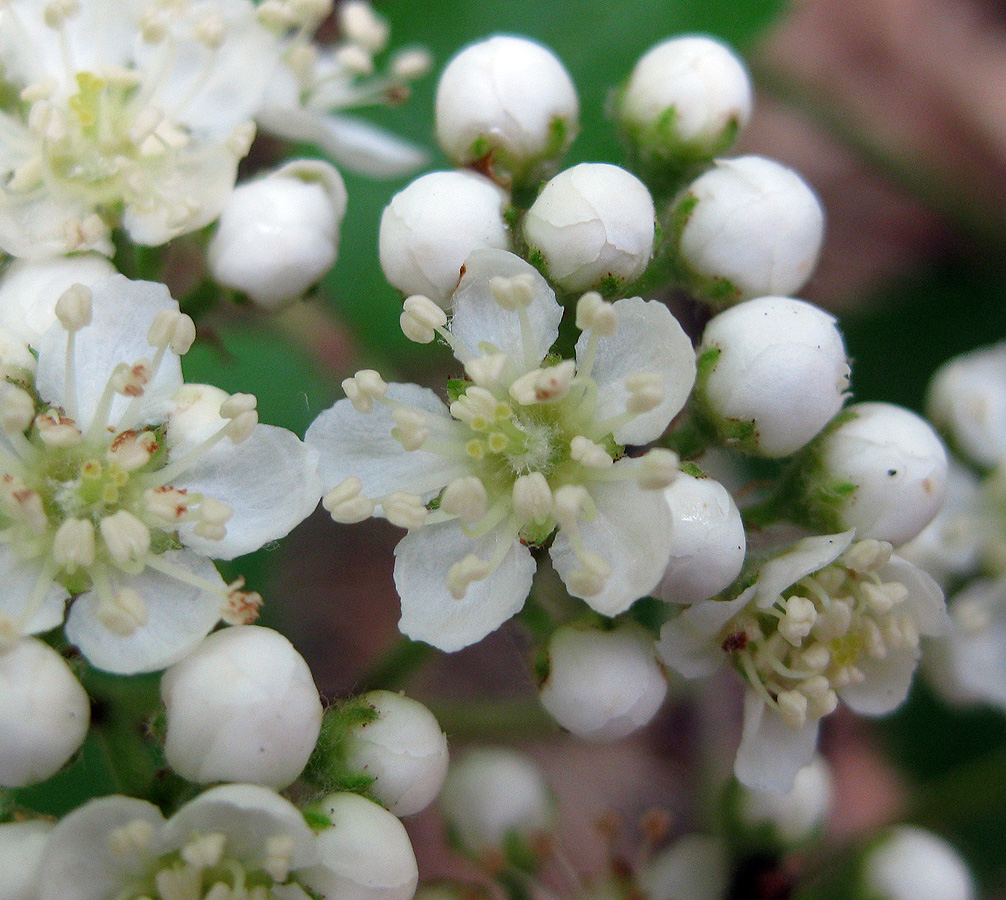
pixel 73 545
pixel 476 407
pixel 513 293
pixel 239 141
pixel 646 392
pixel 56 431
pixel 167 503
pixel 205 851
pixel 360 25
pixel 73 308
pixel 833 622
pixel 487 370
pixel 792 707
pixel 211 30
pixel 466 498
pixel 569 504
pixel 465 572
pixel 411 64
pixel 279 856
pixel 17 408
pixel 27 175
pixel 131 451
pixel 867 556
pixel 173 329
pixel 657 469
pixel 215 511
pixel 404 510
pixel 532 499
pixel 816 657
pixel 590 578
pixel 882 598
pixel 274 14
pixel 475 448
pixel 355 59
pixel 42 89
pixel 873 639
pixel 821 699
pixel 798 620
pixel 364 388
pixel 410 430
pixel 497 442
pixel 242 425
pixel 346 504
pixel 126 538
pixel 420 318
pixel 127 839
pixel 122 613
pixel 56 12
pixel 588 454
pixel 130 380
pixel 544 385
pixel 593 313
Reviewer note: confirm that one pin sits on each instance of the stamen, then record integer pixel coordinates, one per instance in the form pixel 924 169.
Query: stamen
pixel 466 498
pixel 346 504
pixel 421 319
pixel 363 388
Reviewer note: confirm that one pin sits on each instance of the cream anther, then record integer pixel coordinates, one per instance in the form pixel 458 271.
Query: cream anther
pixel 173 329
pixel 122 613
pixel 27 175
pixel 410 428
pixel 792 706
pixel 589 579
pixel 466 498
pixel 488 370
pixel 867 555
pixel 657 469
pixel 57 12
pixel 589 454
pixel 816 657
pixel 206 850
pixel 355 59
pixel 17 409
pixel 821 699
pixel 211 30
pixel 240 607
pixel 132 837
pixel 311 12
pixel 236 404
pixel 242 425
pixel 131 451
pixel 364 388
pixel 167 503
pixel 476 408
pixel 130 381
pixel 240 139
pixel 274 14
pixel 544 385
pixel 464 572
pixel 56 430
pixel 26 504
pixel 73 308
pixel 513 293
pixel 362 26
pixel 73 545
pixel 568 504
pixel 833 622
pixel 411 64
pixel 126 538
pixel 882 598
pixel 420 318
pixel 593 313
pixel 404 510
pixel 798 620
pixel 646 392
pixel 346 504
pixel 532 499
pixel 42 89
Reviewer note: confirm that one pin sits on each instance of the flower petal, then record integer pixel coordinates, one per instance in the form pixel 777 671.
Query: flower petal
pixel 429 611
pixel 771 753
pixel 648 340
pixel 360 444
pixel 885 685
pixel 179 616
pixel 268 481
pixel 478 319
pixel 925 602
pixel 690 644
pixel 803 558
pixel 632 534
pixel 20 578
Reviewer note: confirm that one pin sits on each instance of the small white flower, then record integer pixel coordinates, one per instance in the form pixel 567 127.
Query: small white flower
pixel 431 226
pixel 133 115
pixel 106 496
pixel 21 846
pixel 517 455
pixel 862 645
pixel 687 97
pixel 508 97
pixel 707 541
pixel 492 793
pixel 881 470
pixel 241 707
pixel 797 815
pixel 279 234
pixel 696 867
pixel 773 373
pixel 602 685
pixel 593 226
pixel 750 228
pixel 912 864
pixel 44 713
pixel 403 749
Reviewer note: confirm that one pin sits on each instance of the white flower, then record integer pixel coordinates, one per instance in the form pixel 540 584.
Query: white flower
pixel 798 814
pixel 593 226
pixel 132 114
pixel 881 470
pixel 823 620
pixel 508 97
pixel 696 867
pixel 773 373
pixel 279 234
pixel 967 401
pixel 113 492
pixel 493 794
pixel 403 749
pixel 241 707
pixel 750 228
pixel 525 447
pixel 602 685
pixel 912 864
pixel 687 97
pixel 431 226
pixel 707 540
pixel 240 835
pixel 314 82
pixel 21 846
pixel 44 713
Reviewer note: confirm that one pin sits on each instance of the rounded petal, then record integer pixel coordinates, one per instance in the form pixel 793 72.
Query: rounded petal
pixel 648 340
pixel 178 616
pixel 803 558
pixel 430 613
pixel 269 481
pixel 771 753
pixel 925 598
pixel 885 685
pixel 689 643
pixel 19 580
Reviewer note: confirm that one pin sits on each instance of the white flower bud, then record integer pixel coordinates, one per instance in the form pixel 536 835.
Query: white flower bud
pixel 602 685
pixel 403 749
pixel 21 846
pixel 967 401
pixel 752 223
pixel 913 864
pixel 279 234
pixel 707 541
pixel 510 97
pixel 773 373
pixel 492 793
pixel 365 855
pixel 696 867
pixel 241 707
pixel 431 226
pixel 593 225
pixel 882 472
pixel 44 713
pixel 797 815
pixel 687 98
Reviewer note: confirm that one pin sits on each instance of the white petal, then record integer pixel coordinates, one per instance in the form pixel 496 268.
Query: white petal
pixel 429 611
pixel 771 753
pixel 79 863
pixel 479 319
pixel 18 581
pixel 122 312
pixel 632 534
pixel 886 684
pixel 31 224
pixel 360 444
pixel 690 643
pixel 971 661
pixel 925 602
pixel 268 481
pixel 248 815
pixel 648 339
pixel 179 616
pixel 804 557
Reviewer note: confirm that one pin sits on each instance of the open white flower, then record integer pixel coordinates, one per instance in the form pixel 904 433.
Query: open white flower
pixel 526 447
pixel 828 618
pixel 119 484
pixel 132 114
